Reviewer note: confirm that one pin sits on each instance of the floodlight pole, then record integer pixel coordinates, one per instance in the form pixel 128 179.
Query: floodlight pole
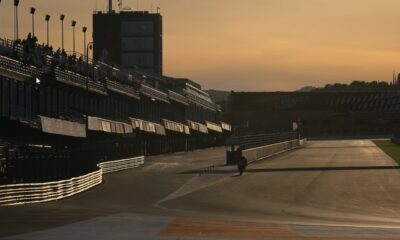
pixel 16 3
pixel 84 29
pixel 89 45
pixel 73 24
pixel 33 20
pixel 62 16
pixel 47 19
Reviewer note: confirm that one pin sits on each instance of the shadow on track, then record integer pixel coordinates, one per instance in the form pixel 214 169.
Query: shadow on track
pixel 338 147
pixel 301 169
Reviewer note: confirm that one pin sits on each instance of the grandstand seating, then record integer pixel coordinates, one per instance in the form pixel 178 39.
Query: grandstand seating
pixel 67 113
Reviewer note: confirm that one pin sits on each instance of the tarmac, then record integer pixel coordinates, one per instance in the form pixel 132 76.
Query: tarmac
pixel 343 189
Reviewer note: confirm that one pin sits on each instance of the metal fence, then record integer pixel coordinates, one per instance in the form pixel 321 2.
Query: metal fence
pixel 252 141
pixel 49 191
pixel 258 153
pixel 14 194
pixel 120 165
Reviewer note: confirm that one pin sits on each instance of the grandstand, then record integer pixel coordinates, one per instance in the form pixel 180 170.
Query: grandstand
pixel 319 114
pixel 62 114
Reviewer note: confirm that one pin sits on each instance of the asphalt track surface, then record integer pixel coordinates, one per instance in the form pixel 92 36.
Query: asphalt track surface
pixel 328 190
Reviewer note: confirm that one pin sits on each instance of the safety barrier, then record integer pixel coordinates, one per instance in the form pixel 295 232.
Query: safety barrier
pixel 259 140
pixel 254 154
pixel 14 194
pixel 119 165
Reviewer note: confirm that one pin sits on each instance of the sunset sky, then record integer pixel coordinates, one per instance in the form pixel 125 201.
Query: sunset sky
pixel 256 45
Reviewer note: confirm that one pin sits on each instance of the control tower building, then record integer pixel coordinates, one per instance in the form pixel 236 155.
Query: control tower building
pixel 132 39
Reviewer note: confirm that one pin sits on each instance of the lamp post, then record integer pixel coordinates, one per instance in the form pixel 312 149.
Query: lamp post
pixel 62 16
pixel 89 46
pixel 84 29
pixel 47 19
pixel 73 24
pixel 16 3
pixel 33 20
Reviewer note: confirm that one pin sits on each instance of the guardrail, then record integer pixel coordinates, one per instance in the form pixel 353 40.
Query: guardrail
pixel 15 194
pixel 119 165
pixel 18 67
pixel 122 89
pixel 253 141
pixel 44 192
pixel 78 80
pixel 154 93
pixel 258 153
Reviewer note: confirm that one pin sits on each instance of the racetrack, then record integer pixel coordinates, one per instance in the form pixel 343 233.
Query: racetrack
pixel 342 189
pixel 346 182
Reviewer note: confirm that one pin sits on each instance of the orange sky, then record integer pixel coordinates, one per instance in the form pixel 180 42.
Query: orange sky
pixel 263 45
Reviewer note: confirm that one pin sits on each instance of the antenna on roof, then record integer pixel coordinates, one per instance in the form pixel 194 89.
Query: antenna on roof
pixel 110 6
pixel 120 5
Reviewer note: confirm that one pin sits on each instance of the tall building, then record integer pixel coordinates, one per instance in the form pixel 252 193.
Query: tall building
pixel 132 39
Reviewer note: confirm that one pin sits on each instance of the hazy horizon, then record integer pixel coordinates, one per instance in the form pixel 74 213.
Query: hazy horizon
pixel 254 45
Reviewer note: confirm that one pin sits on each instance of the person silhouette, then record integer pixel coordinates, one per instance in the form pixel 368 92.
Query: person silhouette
pixel 241 162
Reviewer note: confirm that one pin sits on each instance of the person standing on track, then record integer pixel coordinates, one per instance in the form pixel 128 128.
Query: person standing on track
pixel 242 164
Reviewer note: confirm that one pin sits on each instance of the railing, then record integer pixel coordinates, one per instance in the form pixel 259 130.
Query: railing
pixel 18 67
pixel 14 194
pixel 122 89
pixel 44 192
pixel 178 98
pixel 70 78
pixel 256 147
pixel 119 165
pixel 251 141
pixel 97 87
pixel 154 93
pixel 78 80
pixel 200 101
pixel 258 153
